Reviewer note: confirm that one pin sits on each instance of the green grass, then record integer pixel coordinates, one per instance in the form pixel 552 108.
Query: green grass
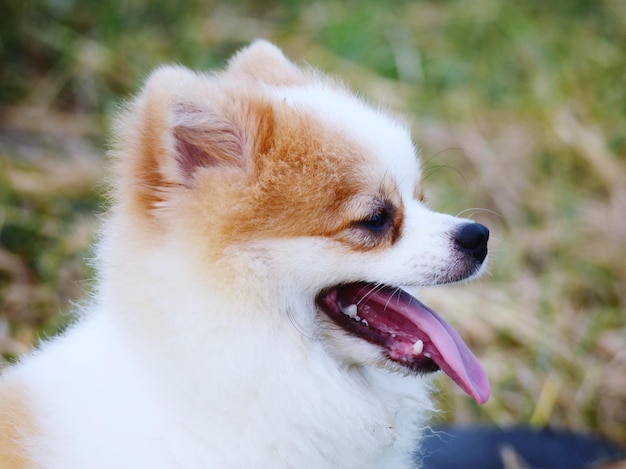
pixel 520 110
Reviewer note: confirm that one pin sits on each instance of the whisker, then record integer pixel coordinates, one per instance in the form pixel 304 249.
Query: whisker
pixel 297 326
pixel 397 291
pixel 372 290
pixel 474 210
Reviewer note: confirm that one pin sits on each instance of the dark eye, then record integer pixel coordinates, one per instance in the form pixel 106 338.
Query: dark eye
pixel 378 221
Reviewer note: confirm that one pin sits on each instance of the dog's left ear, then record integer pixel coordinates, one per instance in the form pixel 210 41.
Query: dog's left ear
pixel 206 138
pixel 183 122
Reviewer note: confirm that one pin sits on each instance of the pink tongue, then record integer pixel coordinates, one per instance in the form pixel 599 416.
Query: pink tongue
pixel 444 345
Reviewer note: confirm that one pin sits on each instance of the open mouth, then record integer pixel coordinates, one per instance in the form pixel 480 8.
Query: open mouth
pixel 408 331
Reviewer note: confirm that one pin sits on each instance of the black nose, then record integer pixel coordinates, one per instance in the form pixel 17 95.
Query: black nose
pixel 472 239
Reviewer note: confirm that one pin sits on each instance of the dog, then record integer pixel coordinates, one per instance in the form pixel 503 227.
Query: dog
pixel 253 302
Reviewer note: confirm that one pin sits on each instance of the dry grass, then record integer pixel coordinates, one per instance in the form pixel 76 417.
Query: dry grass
pixel 520 112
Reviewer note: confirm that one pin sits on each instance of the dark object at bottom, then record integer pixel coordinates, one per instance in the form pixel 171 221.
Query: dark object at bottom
pixel 493 448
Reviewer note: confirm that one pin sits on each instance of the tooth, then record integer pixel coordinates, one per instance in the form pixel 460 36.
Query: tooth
pixel 351 311
pixel 428 355
pixel 418 347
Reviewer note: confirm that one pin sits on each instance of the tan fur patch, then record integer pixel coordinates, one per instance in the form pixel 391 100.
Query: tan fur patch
pixel 149 166
pixel 305 180
pixel 16 423
pixel 238 165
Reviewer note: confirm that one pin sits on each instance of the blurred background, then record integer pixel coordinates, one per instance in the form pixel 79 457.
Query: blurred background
pixel 520 112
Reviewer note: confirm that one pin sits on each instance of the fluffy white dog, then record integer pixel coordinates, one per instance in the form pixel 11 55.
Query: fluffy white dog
pixel 249 310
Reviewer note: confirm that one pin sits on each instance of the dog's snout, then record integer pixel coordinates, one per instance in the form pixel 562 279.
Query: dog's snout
pixel 472 239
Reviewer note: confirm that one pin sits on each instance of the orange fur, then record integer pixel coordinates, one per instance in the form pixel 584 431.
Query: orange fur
pixel 283 200
pixel 265 150
pixel 16 422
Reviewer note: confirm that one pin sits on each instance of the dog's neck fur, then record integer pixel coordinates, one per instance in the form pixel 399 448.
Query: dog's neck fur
pixel 179 336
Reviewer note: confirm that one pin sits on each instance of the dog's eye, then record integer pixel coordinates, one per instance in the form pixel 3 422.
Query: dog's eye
pixel 378 221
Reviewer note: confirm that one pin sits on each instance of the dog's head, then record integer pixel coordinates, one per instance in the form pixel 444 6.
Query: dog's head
pixel 294 197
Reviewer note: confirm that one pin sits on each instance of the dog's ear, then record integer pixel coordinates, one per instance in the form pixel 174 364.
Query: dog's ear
pixel 206 138
pixel 180 123
pixel 263 62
